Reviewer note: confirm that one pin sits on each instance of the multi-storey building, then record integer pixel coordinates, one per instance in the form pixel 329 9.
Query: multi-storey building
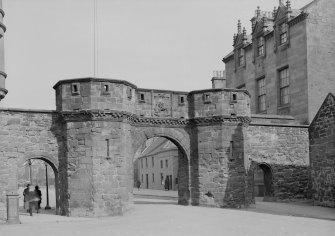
pixel 287 63
pixel 158 162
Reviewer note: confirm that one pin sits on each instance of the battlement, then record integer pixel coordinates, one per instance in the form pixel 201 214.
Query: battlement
pixel 119 95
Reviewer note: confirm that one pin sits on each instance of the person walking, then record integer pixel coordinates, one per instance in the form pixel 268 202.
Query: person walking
pixel 32 198
pixel 25 203
pixel 39 194
pixel 138 185
pixel 167 183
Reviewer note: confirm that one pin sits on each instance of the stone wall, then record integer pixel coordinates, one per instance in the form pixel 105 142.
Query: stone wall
pixel 218 166
pixel 92 150
pixel 24 135
pixel 284 147
pixel 322 154
pixel 217 102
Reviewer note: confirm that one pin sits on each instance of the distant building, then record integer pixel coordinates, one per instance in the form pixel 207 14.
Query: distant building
pixel 158 162
pixel 287 63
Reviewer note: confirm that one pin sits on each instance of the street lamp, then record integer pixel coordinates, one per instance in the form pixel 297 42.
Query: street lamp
pixel 47 207
pixel 30 176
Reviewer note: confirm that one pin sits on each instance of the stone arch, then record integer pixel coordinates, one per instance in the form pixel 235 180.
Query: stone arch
pixel 181 139
pixel 266 168
pixel 178 136
pixel 53 163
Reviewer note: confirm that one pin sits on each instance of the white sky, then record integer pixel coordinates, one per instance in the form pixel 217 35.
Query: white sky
pixel 159 44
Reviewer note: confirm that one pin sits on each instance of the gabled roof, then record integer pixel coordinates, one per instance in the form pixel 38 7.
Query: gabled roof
pixel 308 5
pixel 281 11
pixel 238 39
pixel 258 26
pixel 330 102
pixel 227 57
pixel 159 145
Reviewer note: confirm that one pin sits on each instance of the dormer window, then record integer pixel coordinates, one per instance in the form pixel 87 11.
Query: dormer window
pixel 240 54
pixel 260 46
pixel 283 33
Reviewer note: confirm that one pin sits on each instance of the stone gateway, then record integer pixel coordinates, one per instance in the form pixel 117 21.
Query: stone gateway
pixel 99 124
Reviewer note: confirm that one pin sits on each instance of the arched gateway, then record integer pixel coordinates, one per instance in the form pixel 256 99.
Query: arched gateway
pixel 103 122
pixel 92 137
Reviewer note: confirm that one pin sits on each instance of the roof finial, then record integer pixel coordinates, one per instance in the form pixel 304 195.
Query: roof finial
pixel 274 12
pixel 234 38
pixel 238 26
pixel 288 4
pixel 244 31
pixel 258 11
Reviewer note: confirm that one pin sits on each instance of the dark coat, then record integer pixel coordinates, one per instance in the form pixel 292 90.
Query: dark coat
pixel 32 196
pixel 39 193
pixel 25 192
pixel 167 183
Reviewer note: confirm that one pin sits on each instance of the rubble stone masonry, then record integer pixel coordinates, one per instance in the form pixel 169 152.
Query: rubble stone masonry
pixel 322 154
pixel 99 124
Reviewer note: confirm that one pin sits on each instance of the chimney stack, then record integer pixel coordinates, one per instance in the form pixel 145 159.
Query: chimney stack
pixel 219 80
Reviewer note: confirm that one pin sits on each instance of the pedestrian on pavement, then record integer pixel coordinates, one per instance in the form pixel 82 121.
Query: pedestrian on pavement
pixel 32 198
pixel 39 194
pixel 25 203
pixel 138 185
pixel 167 183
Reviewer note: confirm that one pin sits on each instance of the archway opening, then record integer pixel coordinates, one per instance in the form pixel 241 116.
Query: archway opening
pixel 263 184
pixel 40 173
pixel 161 173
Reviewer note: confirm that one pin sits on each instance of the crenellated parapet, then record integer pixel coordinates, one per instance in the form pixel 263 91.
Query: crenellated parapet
pixel 3 75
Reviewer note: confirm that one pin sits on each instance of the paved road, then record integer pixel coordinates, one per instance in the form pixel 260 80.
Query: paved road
pixel 171 219
pixel 161 216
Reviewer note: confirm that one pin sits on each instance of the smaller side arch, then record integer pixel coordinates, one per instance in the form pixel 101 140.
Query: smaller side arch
pixel 53 162
pixel 264 184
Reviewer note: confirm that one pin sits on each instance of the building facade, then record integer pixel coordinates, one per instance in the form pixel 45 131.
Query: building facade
pixel 90 141
pixel 287 62
pixel 158 162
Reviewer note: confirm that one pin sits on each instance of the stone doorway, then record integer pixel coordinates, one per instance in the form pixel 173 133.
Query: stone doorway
pixel 161 169
pixel 43 173
pixel 263 182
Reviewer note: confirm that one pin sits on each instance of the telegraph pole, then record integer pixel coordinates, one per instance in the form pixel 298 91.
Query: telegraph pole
pixel 95 43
